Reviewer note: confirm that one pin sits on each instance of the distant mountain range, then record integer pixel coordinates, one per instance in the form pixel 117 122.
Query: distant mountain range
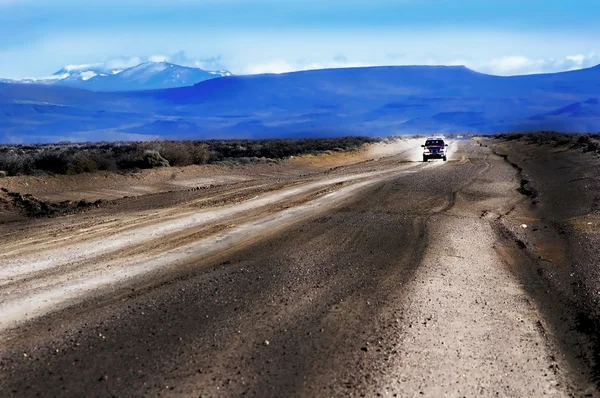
pixel 371 101
pixel 146 76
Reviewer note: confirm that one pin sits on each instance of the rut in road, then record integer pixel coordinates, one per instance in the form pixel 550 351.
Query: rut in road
pixel 50 279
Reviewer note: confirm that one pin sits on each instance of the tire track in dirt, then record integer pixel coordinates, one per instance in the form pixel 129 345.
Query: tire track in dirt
pixel 27 288
pixel 158 229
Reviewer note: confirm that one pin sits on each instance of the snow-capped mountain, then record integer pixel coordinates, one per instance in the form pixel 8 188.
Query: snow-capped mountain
pixel 82 73
pixel 145 76
pixel 152 75
pixel 70 75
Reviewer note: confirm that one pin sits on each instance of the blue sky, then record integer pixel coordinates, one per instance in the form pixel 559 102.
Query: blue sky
pixel 38 37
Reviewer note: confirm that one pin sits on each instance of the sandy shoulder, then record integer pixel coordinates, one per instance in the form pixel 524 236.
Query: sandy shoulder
pixel 472 331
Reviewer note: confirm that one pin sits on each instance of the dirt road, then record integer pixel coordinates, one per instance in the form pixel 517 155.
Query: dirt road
pixel 376 276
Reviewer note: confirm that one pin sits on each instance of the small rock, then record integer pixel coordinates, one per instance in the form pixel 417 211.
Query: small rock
pixel 267 342
pixel 3 174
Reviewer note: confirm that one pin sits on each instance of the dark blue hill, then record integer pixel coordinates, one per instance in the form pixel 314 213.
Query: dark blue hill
pixel 366 101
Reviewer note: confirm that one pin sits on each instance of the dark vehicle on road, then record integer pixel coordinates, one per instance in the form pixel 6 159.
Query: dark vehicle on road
pixel 434 148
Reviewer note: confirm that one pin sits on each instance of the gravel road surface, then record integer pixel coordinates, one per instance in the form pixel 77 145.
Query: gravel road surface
pixel 384 277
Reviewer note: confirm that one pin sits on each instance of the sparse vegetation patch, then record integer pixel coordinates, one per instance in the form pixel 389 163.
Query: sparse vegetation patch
pixel 585 142
pixel 70 158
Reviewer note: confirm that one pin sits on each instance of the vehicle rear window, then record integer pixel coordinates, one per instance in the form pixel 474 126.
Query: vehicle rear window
pixel 434 142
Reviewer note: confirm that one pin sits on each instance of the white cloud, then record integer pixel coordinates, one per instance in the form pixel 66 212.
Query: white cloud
pixel 72 68
pixel 277 66
pixel 578 59
pixel 122 62
pixel 182 58
pixel 159 58
pixel 522 65
pixel 117 63
pixel 179 58
pixel 514 64
pixel 209 63
pixel 503 66
pixel 282 66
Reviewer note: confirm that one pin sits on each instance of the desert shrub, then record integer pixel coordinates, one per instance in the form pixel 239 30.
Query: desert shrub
pixel 74 158
pixel 585 142
pixel 53 161
pixel 592 146
pixel 128 159
pixel 201 154
pixel 563 139
pixel 15 164
pixel 281 148
pixel 583 139
pixel 140 159
pixel 152 159
pixel 543 138
pixel 509 136
pixel 177 153
pixel 81 163
pixel 105 161
pixel 181 153
pixel 514 136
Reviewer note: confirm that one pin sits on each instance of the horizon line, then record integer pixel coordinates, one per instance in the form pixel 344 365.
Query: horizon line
pixel 74 66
